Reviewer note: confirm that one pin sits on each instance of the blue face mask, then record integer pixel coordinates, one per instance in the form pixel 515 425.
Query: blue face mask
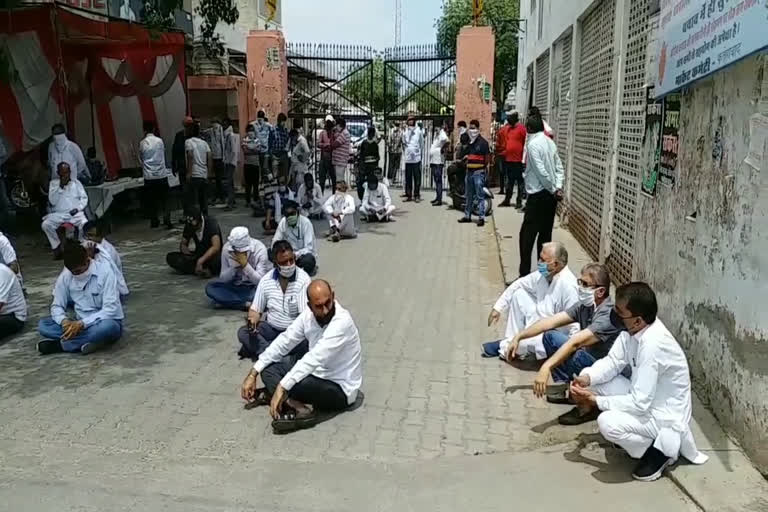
pixel 543 270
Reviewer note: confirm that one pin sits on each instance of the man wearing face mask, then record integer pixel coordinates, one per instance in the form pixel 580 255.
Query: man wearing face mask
pixel 310 198
pixel 313 370
pixel 377 204
pixel 275 202
pixel 91 286
pixel 649 414
pixel 231 159
pixel 279 299
pixel 340 209
pixel 325 145
pixel 204 260
pixel 68 201
pixel 278 147
pixel 551 290
pixel 395 147
pixel 413 142
pixel 300 233
pixel 61 150
pixel 477 155
pixel 369 160
pixel 263 133
pixel 244 262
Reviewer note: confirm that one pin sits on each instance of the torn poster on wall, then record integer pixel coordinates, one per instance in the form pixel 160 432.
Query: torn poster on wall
pixel 654 111
pixel 670 140
pixel 758 141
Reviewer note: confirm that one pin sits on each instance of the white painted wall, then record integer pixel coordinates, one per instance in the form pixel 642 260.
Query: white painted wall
pixel 234 35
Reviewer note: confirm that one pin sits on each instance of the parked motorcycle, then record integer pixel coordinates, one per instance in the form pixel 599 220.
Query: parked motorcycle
pixel 456 182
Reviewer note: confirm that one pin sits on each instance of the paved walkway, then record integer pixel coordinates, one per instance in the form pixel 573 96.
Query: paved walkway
pixel 156 422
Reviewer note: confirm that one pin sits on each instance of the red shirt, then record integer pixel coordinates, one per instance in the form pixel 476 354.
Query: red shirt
pixel 514 143
pixel 501 137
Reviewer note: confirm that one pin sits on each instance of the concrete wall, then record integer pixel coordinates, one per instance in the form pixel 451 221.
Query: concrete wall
pixel 711 273
pixel 474 59
pixel 267 86
pixel 234 36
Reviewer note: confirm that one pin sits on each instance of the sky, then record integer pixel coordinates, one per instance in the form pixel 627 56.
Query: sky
pixel 366 22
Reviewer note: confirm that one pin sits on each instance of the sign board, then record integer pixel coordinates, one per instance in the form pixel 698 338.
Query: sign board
pixel 271 10
pixel 477 9
pixel 654 113
pixel 699 37
pixel 670 141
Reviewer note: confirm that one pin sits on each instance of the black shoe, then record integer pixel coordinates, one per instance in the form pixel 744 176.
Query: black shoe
pixel 465 220
pixel 558 396
pixel 575 417
pixel 407 200
pixel 504 204
pixel 651 465
pixel 46 347
pixel 435 203
pixel 481 223
pixel 418 199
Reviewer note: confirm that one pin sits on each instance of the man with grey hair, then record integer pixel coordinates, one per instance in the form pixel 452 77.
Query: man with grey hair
pixel 538 295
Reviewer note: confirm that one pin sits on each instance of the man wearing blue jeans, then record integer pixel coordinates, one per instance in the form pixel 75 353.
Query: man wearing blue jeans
pixel 91 286
pixel 477 156
pixel 566 356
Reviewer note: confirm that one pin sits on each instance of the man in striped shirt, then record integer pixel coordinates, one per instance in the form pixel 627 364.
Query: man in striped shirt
pixel 477 155
pixel 279 299
pixel 341 145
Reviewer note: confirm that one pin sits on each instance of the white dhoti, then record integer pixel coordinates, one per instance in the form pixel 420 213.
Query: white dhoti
pixel 380 213
pixel 52 221
pixel 345 225
pixel 522 314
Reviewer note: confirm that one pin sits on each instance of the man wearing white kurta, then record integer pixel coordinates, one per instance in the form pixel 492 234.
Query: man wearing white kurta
pixel 310 197
pixel 551 290
pixel 61 149
pixel 377 203
pixel 68 202
pixel 340 208
pixel 648 415
pixel 300 233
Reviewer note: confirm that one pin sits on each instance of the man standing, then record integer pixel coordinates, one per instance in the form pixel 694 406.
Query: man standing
pixel 499 149
pixel 264 133
pixel 217 155
pixel 395 147
pixel 340 208
pixel 514 143
pixel 341 146
pixel 310 197
pixel 179 153
pixel 278 147
pixel 152 155
pixel 369 160
pixel 377 204
pixel 280 298
pixel 300 233
pixel 649 414
pixel 413 142
pixel 97 172
pixel 322 376
pixel 199 160
pixel 204 261
pixel 437 161
pixel 91 286
pixel 325 145
pixel 477 154
pixel 68 202
pixel 244 262
pixel 544 185
pixel 64 150
pixel 231 159
pixel 299 158
pixel 251 175
pixel 13 305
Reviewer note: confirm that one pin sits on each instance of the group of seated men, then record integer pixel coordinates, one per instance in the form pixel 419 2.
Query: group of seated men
pixel 614 360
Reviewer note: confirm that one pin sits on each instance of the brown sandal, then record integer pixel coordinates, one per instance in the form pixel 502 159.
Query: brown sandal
pixel 262 397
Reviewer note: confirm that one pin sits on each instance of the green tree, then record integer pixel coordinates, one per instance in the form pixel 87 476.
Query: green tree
pixel 358 86
pixel 158 16
pixel 502 16
pixel 433 97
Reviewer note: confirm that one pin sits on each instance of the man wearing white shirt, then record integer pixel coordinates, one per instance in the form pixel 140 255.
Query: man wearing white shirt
pixel 413 142
pixel 544 174
pixel 100 248
pixel 551 290
pixel 340 208
pixel 152 155
pixel 377 204
pixel 310 197
pixel 437 161
pixel 300 233
pixel 231 158
pixel 91 286
pixel 314 368
pixel 13 305
pixel 61 150
pixel 244 262
pixel 9 258
pixel 68 201
pixel 649 414
pixel 216 132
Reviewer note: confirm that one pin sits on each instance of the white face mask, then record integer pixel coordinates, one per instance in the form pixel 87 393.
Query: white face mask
pixel 586 296
pixel 60 140
pixel 81 279
pixel 286 270
pixel 473 133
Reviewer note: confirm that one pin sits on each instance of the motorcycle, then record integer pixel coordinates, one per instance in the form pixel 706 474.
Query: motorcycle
pixel 456 182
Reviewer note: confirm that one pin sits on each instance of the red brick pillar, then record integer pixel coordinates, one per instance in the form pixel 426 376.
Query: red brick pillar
pixel 474 64
pixel 267 73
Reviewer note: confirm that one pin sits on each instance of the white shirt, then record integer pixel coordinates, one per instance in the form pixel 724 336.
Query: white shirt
pixel 71 197
pixel 11 295
pixel 105 256
pixel 70 153
pixel 152 152
pixel 413 140
pixel 314 197
pixel 550 298
pixel 339 204
pixel 7 252
pixel 301 236
pixel 258 264
pixel 95 299
pixel 334 352
pixel 281 308
pixel 377 199
pixel 217 141
pixel 544 169
pixel 106 246
pixel 660 386
pixel 199 150
pixel 436 155
pixel 231 147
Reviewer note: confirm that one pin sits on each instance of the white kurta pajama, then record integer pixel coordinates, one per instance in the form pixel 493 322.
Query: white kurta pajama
pixel 532 298
pixel 63 200
pixel 377 202
pixel 654 406
pixel 344 206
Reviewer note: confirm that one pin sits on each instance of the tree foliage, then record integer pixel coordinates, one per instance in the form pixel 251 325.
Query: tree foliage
pixel 358 87
pixel 502 16
pixel 159 16
pixel 432 98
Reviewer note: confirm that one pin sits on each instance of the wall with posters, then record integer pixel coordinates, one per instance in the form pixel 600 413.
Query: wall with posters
pixel 702 242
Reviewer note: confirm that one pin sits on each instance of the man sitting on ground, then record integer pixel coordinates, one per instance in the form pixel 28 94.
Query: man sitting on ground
pixel 244 262
pixel 204 261
pixel 566 356
pixel 542 294
pixel 279 299
pixel 377 204
pixel 340 208
pixel 94 233
pixel 13 305
pixel 310 198
pixel 91 286
pixel 9 258
pixel 300 233
pixel 68 202
pixel 323 376
pixel 648 415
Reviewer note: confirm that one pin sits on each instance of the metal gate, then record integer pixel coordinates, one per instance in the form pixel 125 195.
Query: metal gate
pixel 631 130
pixel 592 136
pixel 541 93
pixel 562 94
pixel 419 81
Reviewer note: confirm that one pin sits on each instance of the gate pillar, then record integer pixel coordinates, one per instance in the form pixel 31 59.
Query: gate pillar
pixel 267 73
pixel 474 68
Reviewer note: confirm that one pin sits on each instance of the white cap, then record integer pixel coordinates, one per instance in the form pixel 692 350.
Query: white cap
pixel 330 118
pixel 239 238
